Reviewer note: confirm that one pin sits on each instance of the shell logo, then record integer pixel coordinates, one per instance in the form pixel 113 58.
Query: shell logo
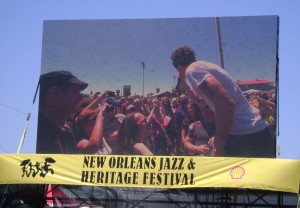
pixel 237 172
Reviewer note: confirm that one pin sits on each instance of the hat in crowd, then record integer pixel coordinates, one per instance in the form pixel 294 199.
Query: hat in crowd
pixel 61 78
pixel 130 108
pixel 113 101
pixel 154 100
pixel 137 100
pixel 174 100
pixel 120 117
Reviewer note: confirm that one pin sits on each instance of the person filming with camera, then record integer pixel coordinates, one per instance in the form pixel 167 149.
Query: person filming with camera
pixel 96 124
pixel 112 122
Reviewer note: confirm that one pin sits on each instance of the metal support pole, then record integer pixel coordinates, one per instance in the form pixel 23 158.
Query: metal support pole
pixel 143 65
pixel 219 43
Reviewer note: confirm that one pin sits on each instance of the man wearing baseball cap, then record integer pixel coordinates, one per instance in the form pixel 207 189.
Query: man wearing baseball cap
pixel 60 92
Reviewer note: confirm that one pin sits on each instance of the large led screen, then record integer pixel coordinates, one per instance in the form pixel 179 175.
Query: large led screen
pixel 167 87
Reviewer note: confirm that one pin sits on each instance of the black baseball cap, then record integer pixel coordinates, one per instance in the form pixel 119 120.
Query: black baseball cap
pixel 61 78
pixel 113 101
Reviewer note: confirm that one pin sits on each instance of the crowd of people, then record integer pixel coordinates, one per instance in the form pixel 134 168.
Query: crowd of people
pixel 209 117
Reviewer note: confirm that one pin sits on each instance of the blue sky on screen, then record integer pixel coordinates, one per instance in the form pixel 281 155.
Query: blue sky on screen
pixel 108 53
pixel 21 53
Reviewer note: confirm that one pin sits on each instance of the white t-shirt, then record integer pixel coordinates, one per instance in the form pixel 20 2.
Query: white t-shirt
pixel 247 119
pixel 105 150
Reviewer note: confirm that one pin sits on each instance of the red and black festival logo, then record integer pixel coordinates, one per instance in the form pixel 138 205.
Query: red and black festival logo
pixel 42 168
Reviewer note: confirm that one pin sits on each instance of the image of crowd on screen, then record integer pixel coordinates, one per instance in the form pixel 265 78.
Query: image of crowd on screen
pixel 171 124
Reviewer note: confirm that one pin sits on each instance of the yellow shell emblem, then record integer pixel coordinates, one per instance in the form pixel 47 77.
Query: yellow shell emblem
pixel 237 172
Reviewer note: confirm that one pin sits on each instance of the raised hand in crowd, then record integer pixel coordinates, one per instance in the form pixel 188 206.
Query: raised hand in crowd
pixel 92 132
pixel 92 106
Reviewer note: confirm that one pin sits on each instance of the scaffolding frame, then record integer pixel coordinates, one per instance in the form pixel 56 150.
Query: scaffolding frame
pixel 128 197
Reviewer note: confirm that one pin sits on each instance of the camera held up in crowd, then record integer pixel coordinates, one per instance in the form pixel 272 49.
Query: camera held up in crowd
pixel 113 103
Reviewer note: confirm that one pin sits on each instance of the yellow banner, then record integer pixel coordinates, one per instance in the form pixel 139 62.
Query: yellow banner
pixel 150 171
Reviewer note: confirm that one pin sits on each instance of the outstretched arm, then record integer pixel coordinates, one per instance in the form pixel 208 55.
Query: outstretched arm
pixel 95 141
pixel 92 106
pixel 224 111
